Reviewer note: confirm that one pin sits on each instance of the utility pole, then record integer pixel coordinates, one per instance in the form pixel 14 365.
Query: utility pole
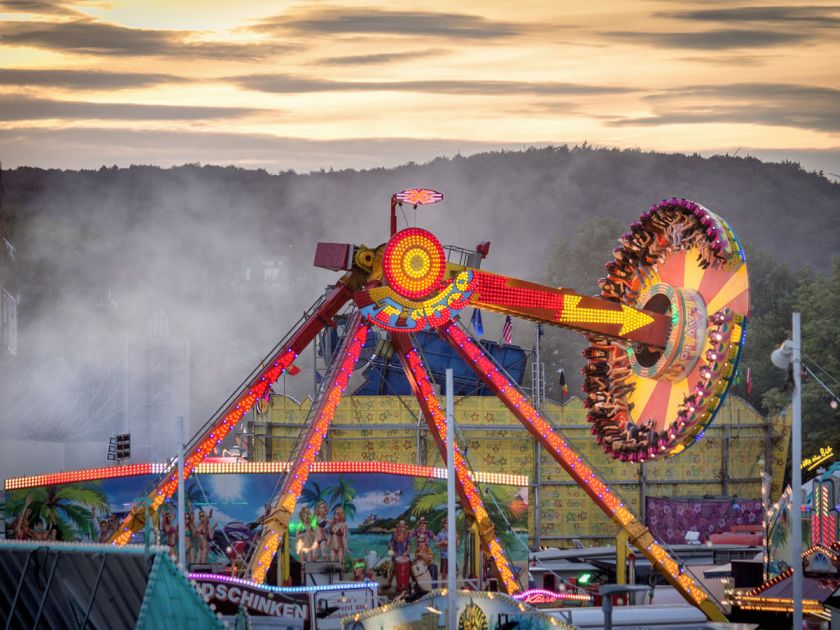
pixel 796 474
pixel 182 538
pixel 451 546
pixel 788 357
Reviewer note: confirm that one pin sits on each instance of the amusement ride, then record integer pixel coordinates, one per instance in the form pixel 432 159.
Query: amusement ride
pixel 665 336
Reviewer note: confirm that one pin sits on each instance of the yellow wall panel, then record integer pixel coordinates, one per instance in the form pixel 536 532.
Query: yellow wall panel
pixel 385 428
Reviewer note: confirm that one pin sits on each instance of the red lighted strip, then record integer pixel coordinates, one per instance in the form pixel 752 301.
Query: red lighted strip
pixel 90 474
pixel 507 292
pixel 281 362
pixel 243 405
pixel 304 458
pixel 312 444
pixel 572 463
pixel 567 308
pixel 230 420
pixel 429 401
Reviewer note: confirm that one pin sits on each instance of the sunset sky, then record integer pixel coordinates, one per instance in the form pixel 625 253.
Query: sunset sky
pixel 305 85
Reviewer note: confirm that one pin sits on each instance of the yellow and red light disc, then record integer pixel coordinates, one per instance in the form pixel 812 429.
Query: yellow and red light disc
pixel 414 263
pixel 682 260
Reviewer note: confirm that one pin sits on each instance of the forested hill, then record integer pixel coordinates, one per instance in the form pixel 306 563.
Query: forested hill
pixel 178 238
pixel 521 201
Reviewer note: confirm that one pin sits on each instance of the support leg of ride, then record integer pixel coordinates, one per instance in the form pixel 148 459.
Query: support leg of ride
pixel 436 420
pixel 621 539
pixel 586 477
pixel 318 421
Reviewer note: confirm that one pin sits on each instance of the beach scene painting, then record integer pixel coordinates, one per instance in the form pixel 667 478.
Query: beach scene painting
pixel 385 527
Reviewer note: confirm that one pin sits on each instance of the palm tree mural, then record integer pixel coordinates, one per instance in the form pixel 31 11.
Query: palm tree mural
pixel 343 495
pixel 313 494
pixel 68 508
pixel 504 507
pixel 195 496
pixel 429 501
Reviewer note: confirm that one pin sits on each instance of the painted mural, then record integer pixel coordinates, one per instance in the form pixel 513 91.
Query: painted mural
pixel 385 527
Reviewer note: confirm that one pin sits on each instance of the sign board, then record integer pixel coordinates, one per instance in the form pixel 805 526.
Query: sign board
pixel 314 608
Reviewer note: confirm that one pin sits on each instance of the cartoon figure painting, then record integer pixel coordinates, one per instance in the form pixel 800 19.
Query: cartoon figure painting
pixel 305 546
pixel 321 523
pixel 399 547
pixel 170 531
pixel 361 572
pixel 341 520
pixel 21 526
pixel 422 535
pixel 189 536
pixel 204 532
pixel 339 536
pixel 442 543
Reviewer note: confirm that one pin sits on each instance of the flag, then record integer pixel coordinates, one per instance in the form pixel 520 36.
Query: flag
pixel 263 403
pixel 507 330
pixel 749 381
pixel 563 387
pixel 475 321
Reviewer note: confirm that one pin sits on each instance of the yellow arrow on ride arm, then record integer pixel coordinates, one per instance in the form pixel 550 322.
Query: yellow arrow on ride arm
pixel 630 319
pixel 565 307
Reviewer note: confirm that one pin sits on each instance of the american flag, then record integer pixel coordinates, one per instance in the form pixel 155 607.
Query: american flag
pixel 507 330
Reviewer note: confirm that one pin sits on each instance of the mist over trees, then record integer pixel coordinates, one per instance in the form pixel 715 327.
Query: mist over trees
pixel 189 240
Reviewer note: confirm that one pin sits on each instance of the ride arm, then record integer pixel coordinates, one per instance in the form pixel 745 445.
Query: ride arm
pixel 276 524
pixel 421 385
pixel 240 404
pixel 585 476
pixel 568 309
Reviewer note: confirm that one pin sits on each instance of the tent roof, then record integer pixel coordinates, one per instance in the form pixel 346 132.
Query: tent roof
pixel 59 585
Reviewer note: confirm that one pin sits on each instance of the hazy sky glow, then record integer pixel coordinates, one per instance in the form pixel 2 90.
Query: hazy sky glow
pixel 306 85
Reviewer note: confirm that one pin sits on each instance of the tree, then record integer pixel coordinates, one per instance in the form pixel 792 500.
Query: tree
pixel 312 495
pixel 67 507
pixel 775 293
pixel 817 298
pixel 195 496
pixel 500 502
pixel 773 289
pixel 342 495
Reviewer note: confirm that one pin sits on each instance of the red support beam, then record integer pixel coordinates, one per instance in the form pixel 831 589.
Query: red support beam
pixel 421 385
pixel 276 525
pixel 586 477
pixel 232 414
